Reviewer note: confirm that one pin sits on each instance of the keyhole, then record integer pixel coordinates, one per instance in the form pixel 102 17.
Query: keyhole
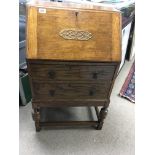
pixel 76 18
pixel 76 14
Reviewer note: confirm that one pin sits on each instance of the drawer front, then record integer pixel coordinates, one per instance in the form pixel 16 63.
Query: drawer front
pixel 44 91
pixel 71 72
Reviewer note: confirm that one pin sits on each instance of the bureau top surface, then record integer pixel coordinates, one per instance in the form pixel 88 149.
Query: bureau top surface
pixel 69 5
pixel 68 31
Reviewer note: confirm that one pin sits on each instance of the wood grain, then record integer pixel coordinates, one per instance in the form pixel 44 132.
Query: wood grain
pixel 70 72
pixel 103 25
pixel 68 102
pixel 70 6
pixel 31 32
pixel 116 37
pixel 69 123
pixel 70 90
pixel 52 46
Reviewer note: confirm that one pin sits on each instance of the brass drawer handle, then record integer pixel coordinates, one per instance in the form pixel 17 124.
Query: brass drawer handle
pixel 52 92
pixel 51 74
pixel 91 93
pixel 95 75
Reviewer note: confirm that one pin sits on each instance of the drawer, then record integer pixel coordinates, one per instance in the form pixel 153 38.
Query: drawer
pixel 46 91
pixel 71 72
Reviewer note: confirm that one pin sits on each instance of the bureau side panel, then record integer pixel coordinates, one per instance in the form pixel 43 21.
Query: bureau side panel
pixel 116 37
pixel 31 32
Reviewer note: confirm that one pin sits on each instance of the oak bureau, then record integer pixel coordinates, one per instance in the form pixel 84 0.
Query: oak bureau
pixel 73 54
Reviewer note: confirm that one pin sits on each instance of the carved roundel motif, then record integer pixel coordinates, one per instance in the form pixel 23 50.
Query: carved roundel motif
pixel 73 34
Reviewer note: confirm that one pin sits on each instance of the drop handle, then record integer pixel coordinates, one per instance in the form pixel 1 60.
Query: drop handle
pixel 51 74
pixel 52 92
pixel 91 92
pixel 95 75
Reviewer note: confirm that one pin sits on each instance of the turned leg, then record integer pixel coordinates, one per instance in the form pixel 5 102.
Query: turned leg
pixel 37 119
pixel 102 116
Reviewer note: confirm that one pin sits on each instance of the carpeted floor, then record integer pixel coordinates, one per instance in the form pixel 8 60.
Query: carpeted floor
pixel 116 137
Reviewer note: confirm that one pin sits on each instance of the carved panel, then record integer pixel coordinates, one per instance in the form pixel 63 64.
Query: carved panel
pixel 74 34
